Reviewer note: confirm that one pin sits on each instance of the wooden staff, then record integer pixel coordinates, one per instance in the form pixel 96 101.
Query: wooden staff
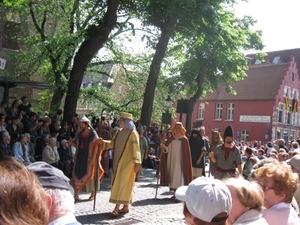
pixel 158 168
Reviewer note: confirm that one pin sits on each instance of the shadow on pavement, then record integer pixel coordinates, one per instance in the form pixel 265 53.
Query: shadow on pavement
pixel 157 201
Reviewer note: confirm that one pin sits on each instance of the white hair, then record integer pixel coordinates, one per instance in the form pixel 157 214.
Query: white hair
pixel 62 203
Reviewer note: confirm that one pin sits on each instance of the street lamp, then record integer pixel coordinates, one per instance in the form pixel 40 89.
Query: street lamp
pixel 168 102
pixel 166 116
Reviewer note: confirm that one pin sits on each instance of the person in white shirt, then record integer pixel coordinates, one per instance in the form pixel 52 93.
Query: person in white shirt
pixel 279 184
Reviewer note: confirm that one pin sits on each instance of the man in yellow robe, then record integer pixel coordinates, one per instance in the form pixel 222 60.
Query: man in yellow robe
pixel 125 163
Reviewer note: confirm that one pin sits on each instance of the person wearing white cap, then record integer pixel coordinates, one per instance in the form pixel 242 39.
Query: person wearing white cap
pixel 206 201
pixel 126 163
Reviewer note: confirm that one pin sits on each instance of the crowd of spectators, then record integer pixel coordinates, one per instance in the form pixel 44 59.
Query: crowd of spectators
pixel 29 136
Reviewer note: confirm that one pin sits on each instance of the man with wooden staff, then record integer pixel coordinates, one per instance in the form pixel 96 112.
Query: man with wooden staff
pixel 86 160
pixel 176 163
pixel 125 163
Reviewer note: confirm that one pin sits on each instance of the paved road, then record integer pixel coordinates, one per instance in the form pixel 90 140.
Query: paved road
pixel 145 209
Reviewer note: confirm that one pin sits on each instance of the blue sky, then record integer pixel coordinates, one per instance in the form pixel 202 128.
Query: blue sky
pixel 278 19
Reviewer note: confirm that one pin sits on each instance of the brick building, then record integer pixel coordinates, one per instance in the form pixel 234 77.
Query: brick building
pixel 266 104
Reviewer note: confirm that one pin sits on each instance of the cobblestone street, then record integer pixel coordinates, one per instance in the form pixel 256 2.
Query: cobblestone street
pixel 145 209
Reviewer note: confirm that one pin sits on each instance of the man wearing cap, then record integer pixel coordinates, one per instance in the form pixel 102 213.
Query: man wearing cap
pixel 86 159
pixel 65 157
pixel 176 163
pixel 125 163
pixel 206 201
pixel 226 157
pixel 59 193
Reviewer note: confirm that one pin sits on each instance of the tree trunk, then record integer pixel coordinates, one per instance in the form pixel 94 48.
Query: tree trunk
pixel 160 52
pixel 56 100
pixel 98 35
pixel 194 99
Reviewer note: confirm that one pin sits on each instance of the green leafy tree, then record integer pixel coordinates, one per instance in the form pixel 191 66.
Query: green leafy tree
pixel 190 24
pixel 216 58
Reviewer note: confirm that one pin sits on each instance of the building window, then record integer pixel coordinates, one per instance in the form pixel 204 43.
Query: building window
pixel 276 59
pixel 218 115
pixel 230 110
pixel 292 135
pixel 244 135
pixel 201 111
pixel 287 92
pixel 286 135
pixel 289 115
pixel 297 118
pixel 281 113
pixel 292 77
pixel 257 62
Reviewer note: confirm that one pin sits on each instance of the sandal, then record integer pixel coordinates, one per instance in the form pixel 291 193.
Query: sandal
pixel 92 197
pixel 124 210
pixel 115 213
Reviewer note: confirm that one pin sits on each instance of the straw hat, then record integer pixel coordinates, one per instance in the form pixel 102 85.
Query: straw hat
pixel 125 115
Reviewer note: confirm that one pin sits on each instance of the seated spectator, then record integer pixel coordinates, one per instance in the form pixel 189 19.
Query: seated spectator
pixel 13 128
pixel 279 185
pixel 40 144
pixel 3 107
pixel 30 147
pixel 4 146
pixel 55 127
pixel 58 187
pixel 31 125
pixel 64 132
pixel 44 129
pixel 150 160
pixel 206 201
pixel 20 150
pixel 23 200
pixel 24 107
pixel 14 109
pixel 247 202
pixel 260 154
pixel 65 157
pixel 2 123
pixel 250 162
pixel 50 154
pixel 58 116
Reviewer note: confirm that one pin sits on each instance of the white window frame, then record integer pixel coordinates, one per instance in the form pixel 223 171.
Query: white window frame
pixel 292 76
pixel 297 117
pixel 219 108
pixel 230 111
pixel 201 111
pixel 287 92
pixel 244 135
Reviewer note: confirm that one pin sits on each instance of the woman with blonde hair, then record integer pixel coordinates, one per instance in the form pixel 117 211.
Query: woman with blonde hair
pixel 22 199
pixel 247 202
pixel 279 184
